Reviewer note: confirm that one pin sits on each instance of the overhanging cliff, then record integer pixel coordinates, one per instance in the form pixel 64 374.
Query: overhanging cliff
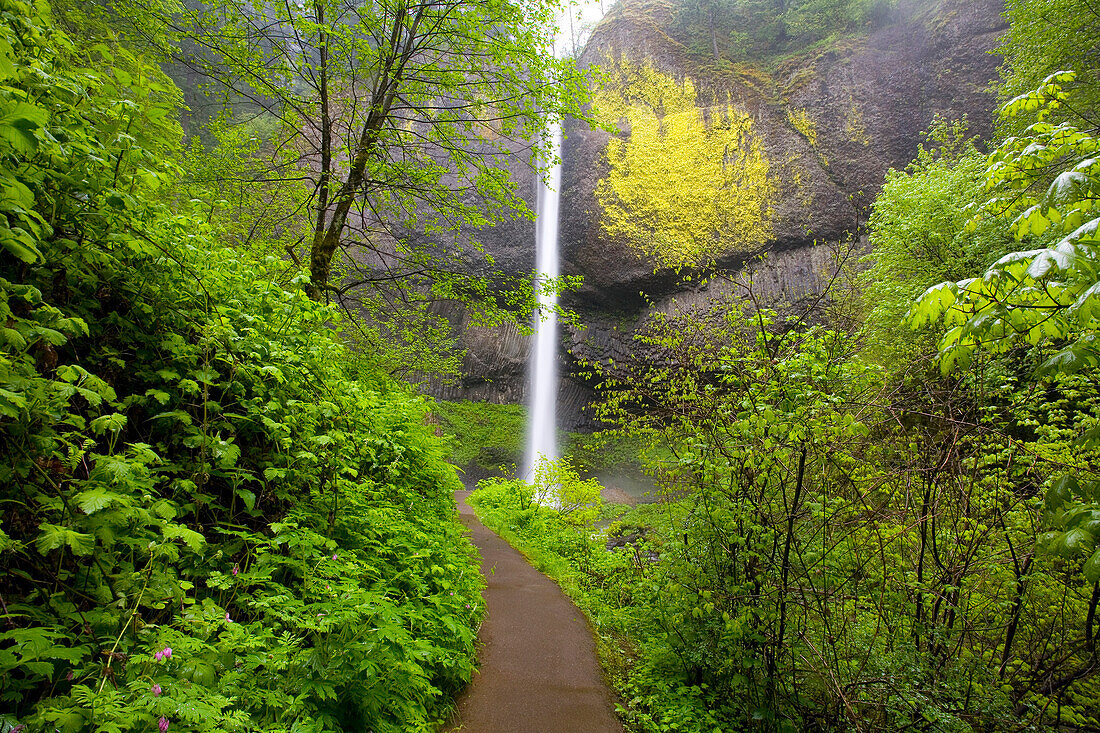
pixel 711 164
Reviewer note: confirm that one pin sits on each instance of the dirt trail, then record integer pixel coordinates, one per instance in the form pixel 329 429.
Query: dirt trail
pixel 538 672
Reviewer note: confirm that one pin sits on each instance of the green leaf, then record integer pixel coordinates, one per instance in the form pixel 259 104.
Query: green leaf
pixel 1076 542
pixel 159 395
pixel 1089 438
pixel 94 500
pixel 1092 568
pixel 226 454
pixel 1060 493
pixel 7 66
pixel 206 375
pixel 1069 360
pixel 177 415
pixel 7 544
pixel 190 537
pixel 54 537
pixel 19 247
pixel 14 194
pixel 248 497
pixel 932 304
pixel 112 423
pixel 13 338
pixel 1048 261
pixel 18 120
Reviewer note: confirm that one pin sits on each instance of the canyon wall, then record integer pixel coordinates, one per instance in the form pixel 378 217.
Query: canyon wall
pixel 756 172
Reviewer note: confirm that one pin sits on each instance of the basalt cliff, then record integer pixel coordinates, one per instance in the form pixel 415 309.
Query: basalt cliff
pixel 761 172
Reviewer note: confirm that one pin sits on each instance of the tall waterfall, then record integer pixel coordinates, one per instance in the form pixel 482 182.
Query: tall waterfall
pixel 542 434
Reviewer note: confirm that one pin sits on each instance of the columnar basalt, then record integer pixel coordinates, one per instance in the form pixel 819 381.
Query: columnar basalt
pixel 739 166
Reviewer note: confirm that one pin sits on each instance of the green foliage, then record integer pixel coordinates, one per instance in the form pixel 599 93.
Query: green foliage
pixel 1044 37
pixel 602 450
pixel 918 238
pixel 1048 181
pixel 569 552
pixel 738 419
pixel 814 19
pixel 485 434
pixel 558 485
pixel 761 30
pixel 191 462
pixel 822 558
pixel 261 212
pixel 841 547
pixel 374 187
pixel 398 183
pixel 555 485
pixel 248 207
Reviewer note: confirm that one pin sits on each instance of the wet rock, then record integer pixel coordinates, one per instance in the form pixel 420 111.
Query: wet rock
pixel 627 537
pixel 867 100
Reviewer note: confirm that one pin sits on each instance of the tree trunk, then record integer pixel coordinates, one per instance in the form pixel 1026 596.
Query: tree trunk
pixel 327 238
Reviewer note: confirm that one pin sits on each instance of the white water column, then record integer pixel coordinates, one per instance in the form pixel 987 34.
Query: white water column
pixel 542 385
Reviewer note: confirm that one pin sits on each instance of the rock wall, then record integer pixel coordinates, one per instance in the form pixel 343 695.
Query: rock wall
pixel 829 123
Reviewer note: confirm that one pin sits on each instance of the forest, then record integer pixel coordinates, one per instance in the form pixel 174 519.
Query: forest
pixel 882 516
pixel 226 500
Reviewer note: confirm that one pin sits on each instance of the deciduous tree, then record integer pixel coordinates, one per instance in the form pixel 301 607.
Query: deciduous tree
pixel 401 117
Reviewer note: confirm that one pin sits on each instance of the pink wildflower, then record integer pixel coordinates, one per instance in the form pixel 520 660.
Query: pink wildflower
pixel 163 724
pixel 156 690
pixel 227 619
pixel 164 653
pixel 334 556
pixel 236 568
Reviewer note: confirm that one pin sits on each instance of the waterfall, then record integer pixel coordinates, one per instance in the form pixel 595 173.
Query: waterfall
pixel 542 384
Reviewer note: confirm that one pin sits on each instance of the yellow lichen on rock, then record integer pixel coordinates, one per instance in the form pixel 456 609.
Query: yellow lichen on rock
pixel 802 122
pixel 854 127
pixel 685 184
pixel 800 119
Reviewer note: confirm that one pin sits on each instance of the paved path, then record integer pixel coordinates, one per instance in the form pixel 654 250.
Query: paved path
pixel 538 671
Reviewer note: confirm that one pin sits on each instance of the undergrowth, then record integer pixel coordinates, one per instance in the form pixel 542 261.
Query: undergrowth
pixel 215 516
pixel 486 435
pixel 612 583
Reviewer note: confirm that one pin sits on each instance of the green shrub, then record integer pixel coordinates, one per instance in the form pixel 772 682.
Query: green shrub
pixel 485 434
pixel 191 461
